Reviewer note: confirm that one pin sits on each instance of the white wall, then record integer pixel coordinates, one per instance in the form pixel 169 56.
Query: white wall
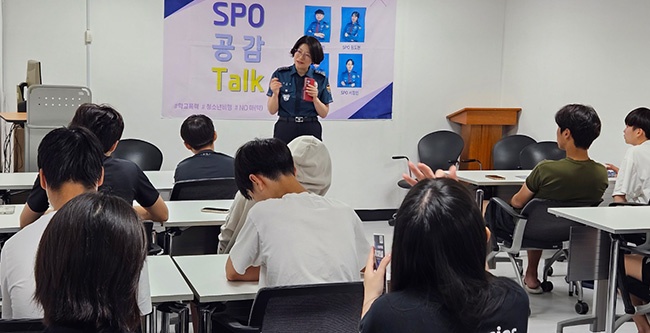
pixel 448 56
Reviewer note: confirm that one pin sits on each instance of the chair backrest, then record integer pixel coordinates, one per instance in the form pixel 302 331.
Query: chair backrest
pixel 147 156
pixel 440 149
pixel 204 189
pixel 49 107
pixel 21 325
pixel 330 307
pixel 505 153
pixel 543 150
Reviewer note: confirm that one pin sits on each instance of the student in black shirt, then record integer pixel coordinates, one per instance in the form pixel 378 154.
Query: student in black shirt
pixel 438 280
pixel 199 136
pixel 121 177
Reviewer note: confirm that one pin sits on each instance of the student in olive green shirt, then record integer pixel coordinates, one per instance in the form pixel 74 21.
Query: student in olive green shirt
pixel 574 178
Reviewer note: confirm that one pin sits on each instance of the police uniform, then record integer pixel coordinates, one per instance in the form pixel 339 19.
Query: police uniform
pixel 348 78
pixel 351 32
pixel 296 116
pixel 319 27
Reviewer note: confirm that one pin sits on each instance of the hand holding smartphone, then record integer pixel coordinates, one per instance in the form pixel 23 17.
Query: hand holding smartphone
pixel 308 82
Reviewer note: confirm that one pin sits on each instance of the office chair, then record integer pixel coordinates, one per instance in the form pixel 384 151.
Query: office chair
pixel 548 232
pixel 21 325
pixel 535 153
pixel 147 156
pixel 328 307
pixel 438 150
pixel 505 153
pixel 198 240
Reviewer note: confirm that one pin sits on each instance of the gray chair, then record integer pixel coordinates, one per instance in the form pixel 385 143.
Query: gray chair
pixel 535 153
pixel 505 153
pixel 146 155
pixel 198 240
pixel 327 308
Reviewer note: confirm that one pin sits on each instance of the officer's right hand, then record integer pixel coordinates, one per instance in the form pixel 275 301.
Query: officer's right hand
pixel 275 85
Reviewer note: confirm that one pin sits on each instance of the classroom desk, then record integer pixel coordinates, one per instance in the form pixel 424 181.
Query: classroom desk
pixel 166 284
pixel 161 180
pixel 613 220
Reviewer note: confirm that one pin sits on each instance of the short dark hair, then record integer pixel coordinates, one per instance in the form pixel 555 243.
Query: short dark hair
pixel 270 158
pixel 315 48
pixel 102 120
pixel 88 265
pixel 439 249
pixel 582 121
pixel 197 131
pixel 639 118
pixel 319 11
pixel 70 154
pixel 355 13
pixel 349 60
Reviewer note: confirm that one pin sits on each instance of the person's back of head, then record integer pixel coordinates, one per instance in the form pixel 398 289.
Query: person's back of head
pixel 197 131
pixel 270 158
pixel 313 163
pixel 439 249
pixel 582 121
pixel 639 118
pixel 102 120
pixel 70 155
pixel 88 265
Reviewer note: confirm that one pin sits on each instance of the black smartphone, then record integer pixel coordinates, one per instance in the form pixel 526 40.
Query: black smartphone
pixel 495 177
pixel 215 210
pixel 379 248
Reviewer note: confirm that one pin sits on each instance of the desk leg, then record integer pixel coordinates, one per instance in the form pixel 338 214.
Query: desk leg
pixel 205 323
pixel 611 295
pixel 153 321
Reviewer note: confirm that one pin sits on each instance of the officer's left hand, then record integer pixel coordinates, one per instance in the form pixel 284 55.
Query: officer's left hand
pixel 312 90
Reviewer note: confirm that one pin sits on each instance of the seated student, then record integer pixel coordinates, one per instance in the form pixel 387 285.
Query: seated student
pixel 633 177
pixel 121 177
pixel 82 284
pixel 313 171
pixel 291 236
pixel 70 164
pixel 438 277
pixel 574 178
pixel 199 136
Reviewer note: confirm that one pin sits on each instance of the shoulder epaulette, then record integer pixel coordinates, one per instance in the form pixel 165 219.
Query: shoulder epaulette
pixel 318 71
pixel 285 68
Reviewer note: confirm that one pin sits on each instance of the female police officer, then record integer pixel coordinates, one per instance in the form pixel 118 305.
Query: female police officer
pixel 298 109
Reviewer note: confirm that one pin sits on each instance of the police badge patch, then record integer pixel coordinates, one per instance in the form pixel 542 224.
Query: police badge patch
pixel 286 97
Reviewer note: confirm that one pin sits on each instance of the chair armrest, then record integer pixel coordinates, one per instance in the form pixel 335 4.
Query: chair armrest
pixel 507 208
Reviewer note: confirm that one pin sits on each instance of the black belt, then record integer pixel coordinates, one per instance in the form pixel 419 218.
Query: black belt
pixel 299 119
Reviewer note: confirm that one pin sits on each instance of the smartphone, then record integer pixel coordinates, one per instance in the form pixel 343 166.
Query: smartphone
pixel 215 210
pixel 495 177
pixel 379 248
pixel 305 96
pixel 7 210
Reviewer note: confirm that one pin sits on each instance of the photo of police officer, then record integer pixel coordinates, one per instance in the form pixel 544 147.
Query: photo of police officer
pixel 316 24
pixel 324 65
pixel 350 68
pixel 353 31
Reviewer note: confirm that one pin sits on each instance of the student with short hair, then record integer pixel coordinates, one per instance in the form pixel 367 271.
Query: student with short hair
pixel 123 178
pixel 291 236
pixel 438 277
pixel 199 136
pixel 575 178
pixel 633 177
pixel 70 164
pixel 89 283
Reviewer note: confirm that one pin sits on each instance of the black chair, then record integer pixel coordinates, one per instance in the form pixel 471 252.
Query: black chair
pixel 21 325
pixel 147 156
pixel 547 232
pixel 198 240
pixel 153 248
pixel 330 307
pixel 438 150
pixel 505 153
pixel 204 189
pixel 535 153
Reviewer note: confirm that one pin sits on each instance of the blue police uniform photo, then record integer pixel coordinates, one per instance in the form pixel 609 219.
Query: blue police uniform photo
pixel 349 78
pixel 319 28
pixel 352 32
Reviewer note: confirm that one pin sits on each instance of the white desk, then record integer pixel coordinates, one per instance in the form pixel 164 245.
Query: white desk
pixel 166 282
pixel 614 220
pixel 188 213
pixel 478 177
pixel 161 180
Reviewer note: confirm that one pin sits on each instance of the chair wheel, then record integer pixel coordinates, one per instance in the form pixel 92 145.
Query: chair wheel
pixel 582 307
pixel 547 286
pixel 549 271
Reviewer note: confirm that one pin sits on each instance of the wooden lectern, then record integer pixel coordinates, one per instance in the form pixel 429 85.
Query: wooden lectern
pixel 481 128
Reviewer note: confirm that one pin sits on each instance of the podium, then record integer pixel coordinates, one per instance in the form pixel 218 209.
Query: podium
pixel 481 128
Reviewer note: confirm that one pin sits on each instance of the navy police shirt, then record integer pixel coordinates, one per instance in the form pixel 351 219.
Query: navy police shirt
pixel 291 103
